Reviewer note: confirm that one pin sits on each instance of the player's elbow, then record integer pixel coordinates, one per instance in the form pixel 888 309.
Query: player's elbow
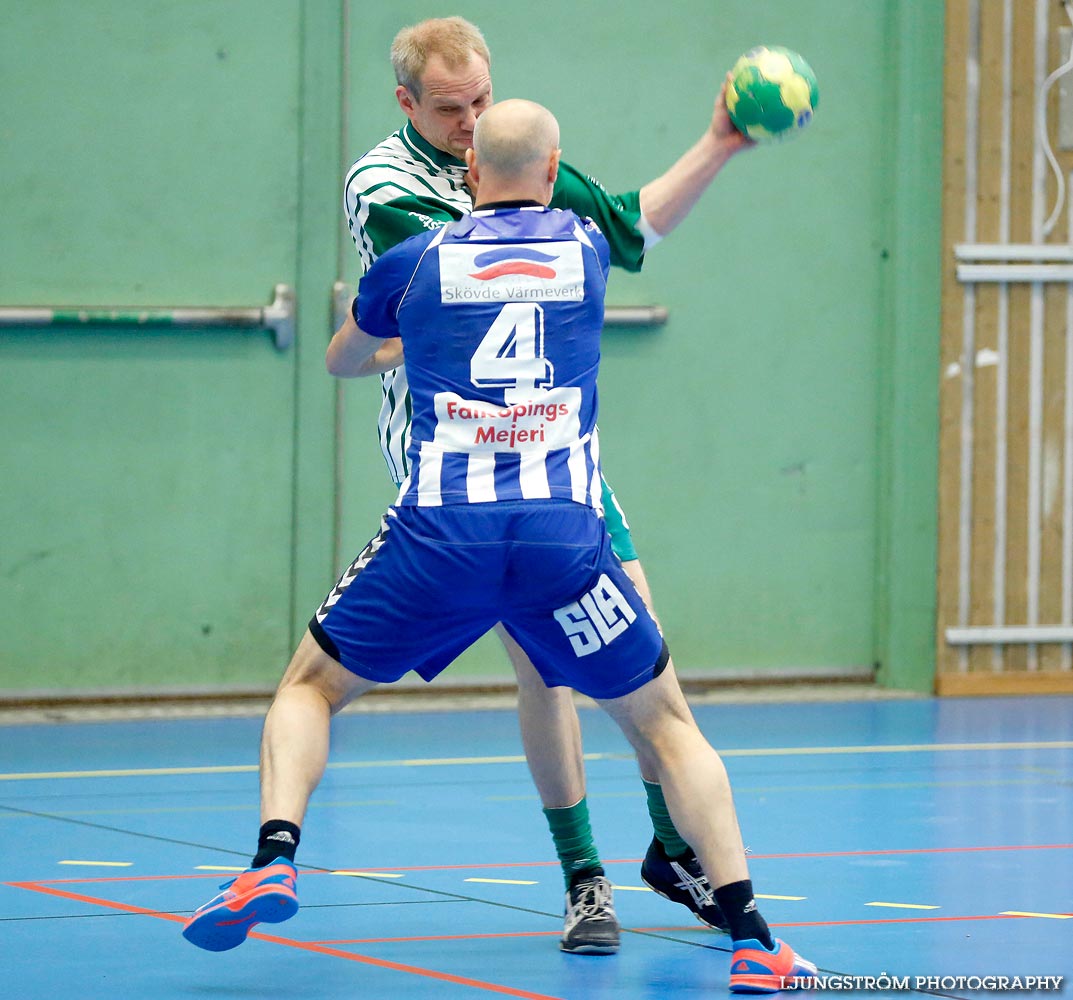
pixel 335 363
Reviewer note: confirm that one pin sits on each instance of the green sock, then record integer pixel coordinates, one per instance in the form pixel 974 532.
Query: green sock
pixel 666 833
pixel 574 845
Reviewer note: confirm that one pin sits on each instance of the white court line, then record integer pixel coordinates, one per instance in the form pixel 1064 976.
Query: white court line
pixel 905 906
pixel 1025 913
pixel 369 874
pixel 98 864
pixel 143 772
pixel 503 881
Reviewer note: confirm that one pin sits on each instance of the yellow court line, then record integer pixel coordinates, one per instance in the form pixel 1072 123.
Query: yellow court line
pixel 133 772
pixel 369 874
pixel 503 881
pixel 1025 913
pixel 760 895
pixel 897 748
pixel 631 888
pixel 905 906
pixel 99 864
pixel 143 772
pixel 237 807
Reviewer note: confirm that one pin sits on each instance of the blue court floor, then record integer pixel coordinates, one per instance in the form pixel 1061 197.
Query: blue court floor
pixel 906 838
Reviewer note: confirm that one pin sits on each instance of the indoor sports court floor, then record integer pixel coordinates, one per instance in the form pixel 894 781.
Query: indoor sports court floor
pixel 906 838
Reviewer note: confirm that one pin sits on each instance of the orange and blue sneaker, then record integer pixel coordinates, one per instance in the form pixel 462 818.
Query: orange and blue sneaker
pixel 754 969
pixel 258 895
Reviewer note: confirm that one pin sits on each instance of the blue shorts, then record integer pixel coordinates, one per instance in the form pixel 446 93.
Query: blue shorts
pixel 617 525
pixel 435 579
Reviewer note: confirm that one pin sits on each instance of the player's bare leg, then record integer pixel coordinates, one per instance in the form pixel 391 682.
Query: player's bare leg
pixel 551 732
pixel 670 866
pixel 294 741
pixel 657 719
pixel 635 571
pixel 294 753
pixel 551 736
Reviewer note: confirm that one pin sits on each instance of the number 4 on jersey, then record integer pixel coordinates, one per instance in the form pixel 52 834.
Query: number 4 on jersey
pixel 511 354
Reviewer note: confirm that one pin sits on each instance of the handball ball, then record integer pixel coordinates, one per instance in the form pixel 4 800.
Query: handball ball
pixel 772 93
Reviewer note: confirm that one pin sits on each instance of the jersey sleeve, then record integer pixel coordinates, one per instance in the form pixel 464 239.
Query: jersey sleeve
pixel 382 216
pixel 381 289
pixel 616 215
pixel 599 245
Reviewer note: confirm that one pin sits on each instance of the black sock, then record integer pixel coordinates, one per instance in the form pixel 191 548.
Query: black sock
pixel 738 906
pixel 277 839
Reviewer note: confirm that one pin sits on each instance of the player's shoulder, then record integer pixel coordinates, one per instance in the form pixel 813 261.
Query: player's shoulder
pixel 389 149
pixel 587 230
pixel 577 186
pixel 388 160
pixel 571 173
pixel 590 226
pixel 408 252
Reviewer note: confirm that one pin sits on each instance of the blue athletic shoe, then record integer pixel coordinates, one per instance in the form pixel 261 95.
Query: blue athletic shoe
pixel 682 880
pixel 259 895
pixel 754 969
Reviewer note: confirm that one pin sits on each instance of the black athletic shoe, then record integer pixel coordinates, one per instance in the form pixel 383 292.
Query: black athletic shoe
pixel 591 927
pixel 681 880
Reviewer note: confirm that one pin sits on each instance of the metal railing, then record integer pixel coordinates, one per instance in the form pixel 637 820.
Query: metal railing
pixel 278 316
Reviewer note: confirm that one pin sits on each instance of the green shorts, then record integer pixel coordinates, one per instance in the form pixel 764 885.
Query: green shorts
pixel 617 526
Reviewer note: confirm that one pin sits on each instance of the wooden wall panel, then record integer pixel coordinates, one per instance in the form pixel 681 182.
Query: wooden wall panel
pixel 980 33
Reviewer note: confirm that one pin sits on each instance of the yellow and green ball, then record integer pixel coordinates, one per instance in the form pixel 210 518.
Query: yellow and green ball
pixel 772 93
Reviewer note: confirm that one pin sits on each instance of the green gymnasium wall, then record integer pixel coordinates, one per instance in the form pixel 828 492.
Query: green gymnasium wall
pixel 174 504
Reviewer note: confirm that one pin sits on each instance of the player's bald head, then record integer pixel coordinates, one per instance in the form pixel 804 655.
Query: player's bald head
pixel 513 137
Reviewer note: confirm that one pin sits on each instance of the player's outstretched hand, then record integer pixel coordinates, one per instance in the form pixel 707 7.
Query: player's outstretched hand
pixel 724 130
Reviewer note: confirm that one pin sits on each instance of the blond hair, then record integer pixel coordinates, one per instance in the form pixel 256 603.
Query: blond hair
pixel 453 39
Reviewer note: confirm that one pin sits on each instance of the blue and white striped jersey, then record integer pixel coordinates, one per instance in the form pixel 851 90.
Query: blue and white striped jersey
pixel 500 316
pixel 405 186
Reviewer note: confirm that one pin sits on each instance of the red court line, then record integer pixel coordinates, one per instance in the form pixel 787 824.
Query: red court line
pixel 678 929
pixel 350 956
pixel 133 878
pixel 908 920
pixel 548 864
pixel 444 937
pixel 94 900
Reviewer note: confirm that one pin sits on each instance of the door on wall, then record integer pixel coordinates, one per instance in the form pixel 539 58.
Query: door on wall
pixel 149 157
pixel 742 437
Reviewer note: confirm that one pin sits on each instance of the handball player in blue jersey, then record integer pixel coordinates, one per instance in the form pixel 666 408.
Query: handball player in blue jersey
pixel 417 180
pixel 499 520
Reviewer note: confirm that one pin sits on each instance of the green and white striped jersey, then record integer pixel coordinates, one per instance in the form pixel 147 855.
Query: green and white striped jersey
pixel 405 186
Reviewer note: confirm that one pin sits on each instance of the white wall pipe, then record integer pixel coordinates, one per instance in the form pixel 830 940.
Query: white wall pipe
pixel 968 328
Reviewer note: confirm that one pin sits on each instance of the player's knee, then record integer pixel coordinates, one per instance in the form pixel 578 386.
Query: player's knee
pixel 313 670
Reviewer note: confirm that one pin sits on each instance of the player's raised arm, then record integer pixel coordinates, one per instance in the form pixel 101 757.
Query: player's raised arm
pixel 668 199
pixel 769 93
